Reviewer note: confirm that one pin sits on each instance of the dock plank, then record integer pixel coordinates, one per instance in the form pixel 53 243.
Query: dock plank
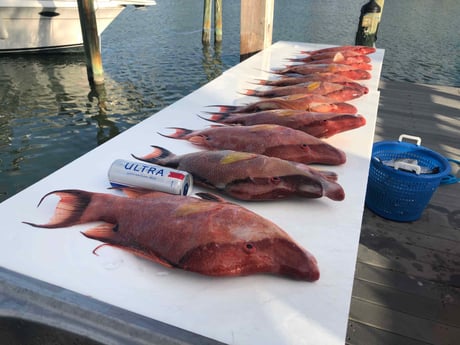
pixel 362 334
pixel 407 277
pixel 411 327
pixel 408 284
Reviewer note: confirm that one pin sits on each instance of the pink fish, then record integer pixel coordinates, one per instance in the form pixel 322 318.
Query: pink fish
pixel 320 125
pixel 349 60
pixel 339 92
pixel 250 176
pixel 335 56
pixel 338 77
pixel 307 68
pixel 358 49
pixel 270 140
pixel 211 237
pixel 316 103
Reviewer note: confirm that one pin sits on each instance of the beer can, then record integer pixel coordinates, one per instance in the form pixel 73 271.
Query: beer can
pixel 124 173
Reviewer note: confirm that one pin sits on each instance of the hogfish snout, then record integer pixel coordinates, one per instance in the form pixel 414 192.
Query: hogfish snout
pixel 278 255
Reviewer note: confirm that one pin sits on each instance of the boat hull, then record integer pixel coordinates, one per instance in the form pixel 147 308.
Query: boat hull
pixel 48 26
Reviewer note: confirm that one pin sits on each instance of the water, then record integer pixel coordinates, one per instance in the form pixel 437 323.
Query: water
pixel 154 56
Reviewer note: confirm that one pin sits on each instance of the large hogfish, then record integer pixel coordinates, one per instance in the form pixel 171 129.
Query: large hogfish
pixel 346 76
pixel 343 57
pixel 320 125
pixel 357 49
pixel 339 92
pixel 211 237
pixel 250 176
pixel 270 140
pixel 316 103
pixel 307 68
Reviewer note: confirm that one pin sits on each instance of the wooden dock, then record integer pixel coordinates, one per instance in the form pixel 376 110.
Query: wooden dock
pixel 407 281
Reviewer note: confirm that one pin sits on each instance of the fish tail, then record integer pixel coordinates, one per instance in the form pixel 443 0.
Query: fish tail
pixel 262 82
pixel 250 93
pixel 226 108
pixel 216 117
pixel 179 133
pixel 69 210
pixel 156 155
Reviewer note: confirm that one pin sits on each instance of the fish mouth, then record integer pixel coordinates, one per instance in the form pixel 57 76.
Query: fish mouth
pixel 310 274
pixel 296 262
pixel 276 187
pixel 327 154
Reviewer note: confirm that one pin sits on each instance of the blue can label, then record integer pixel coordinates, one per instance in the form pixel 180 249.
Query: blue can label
pixel 123 173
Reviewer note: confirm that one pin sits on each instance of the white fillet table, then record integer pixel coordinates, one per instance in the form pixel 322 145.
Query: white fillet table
pixel 257 309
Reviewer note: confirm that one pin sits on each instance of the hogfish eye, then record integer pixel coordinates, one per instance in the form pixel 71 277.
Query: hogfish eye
pixel 249 247
pixel 275 179
pixel 206 137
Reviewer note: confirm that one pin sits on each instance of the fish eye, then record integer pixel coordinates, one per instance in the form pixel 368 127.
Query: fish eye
pixel 207 137
pixel 275 179
pixel 249 247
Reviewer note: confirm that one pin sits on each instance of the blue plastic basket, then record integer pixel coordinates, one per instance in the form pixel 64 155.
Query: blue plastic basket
pixel 397 194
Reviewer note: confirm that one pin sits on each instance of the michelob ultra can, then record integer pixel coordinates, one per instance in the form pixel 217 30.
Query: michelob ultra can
pixel 123 173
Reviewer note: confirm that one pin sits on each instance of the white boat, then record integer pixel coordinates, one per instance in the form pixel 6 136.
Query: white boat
pixel 52 25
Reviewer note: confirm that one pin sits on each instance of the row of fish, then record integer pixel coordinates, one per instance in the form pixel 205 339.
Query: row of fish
pixel 259 152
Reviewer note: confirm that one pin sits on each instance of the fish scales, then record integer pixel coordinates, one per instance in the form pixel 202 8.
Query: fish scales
pixel 337 91
pixel 266 139
pixel 320 125
pixel 250 176
pixel 316 103
pixel 211 237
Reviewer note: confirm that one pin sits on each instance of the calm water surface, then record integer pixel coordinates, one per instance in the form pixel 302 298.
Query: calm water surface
pixel 153 57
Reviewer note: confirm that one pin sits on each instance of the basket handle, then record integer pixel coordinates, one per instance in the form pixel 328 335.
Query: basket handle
pixel 418 140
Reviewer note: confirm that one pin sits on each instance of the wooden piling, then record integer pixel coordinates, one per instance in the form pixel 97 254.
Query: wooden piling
pixel 207 18
pixel 91 41
pixel 217 21
pixel 256 28
pixel 369 21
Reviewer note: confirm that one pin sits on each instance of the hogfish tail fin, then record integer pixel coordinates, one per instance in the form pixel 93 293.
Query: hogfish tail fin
pixel 226 108
pixel 69 210
pixel 159 155
pixel 216 117
pixel 179 133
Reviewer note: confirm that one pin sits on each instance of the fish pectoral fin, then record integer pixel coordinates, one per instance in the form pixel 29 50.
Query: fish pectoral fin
pixel 107 233
pixel 140 253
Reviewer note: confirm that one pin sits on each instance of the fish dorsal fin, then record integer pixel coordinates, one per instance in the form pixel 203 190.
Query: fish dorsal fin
pixel 105 232
pixel 236 156
pixel 210 197
pixel 139 192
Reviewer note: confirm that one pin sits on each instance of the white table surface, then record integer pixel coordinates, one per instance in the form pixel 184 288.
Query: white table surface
pixel 258 309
